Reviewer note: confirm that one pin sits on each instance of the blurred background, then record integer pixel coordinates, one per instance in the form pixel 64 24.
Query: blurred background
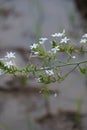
pixel 22 23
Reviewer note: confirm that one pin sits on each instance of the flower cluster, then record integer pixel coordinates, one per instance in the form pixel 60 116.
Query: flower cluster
pixel 47 74
pixel 8 61
pixel 40 49
pixel 51 63
pixel 84 38
pixel 62 35
pixel 59 34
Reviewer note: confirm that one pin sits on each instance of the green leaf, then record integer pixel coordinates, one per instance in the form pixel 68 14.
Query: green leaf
pixel 54 44
pixel 83 70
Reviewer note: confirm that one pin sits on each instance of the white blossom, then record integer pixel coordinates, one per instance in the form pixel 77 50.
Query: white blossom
pixel 55 95
pixel 38 79
pixel 49 72
pixel 73 57
pixel 64 40
pixel 33 46
pixel 9 64
pixel 85 35
pixel 42 68
pixel 83 40
pixel 58 34
pixel 36 53
pixel 55 35
pixel 42 40
pixel 54 50
pixel 10 55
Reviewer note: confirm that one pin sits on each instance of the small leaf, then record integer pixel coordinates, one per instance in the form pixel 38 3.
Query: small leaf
pixel 54 44
pixel 83 70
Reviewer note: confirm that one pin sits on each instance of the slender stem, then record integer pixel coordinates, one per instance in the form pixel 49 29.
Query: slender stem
pixel 38 69
pixel 66 64
pixel 70 71
pixel 73 63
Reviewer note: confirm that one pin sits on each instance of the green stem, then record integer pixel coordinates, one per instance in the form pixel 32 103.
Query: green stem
pixel 73 63
pixel 11 70
pixel 69 72
pixel 66 64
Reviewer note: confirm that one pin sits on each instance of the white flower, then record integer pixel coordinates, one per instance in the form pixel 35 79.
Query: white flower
pixel 49 72
pixel 83 41
pixel 85 35
pixel 55 35
pixel 10 55
pixel 38 79
pixel 42 40
pixel 54 50
pixel 58 34
pixel 1 72
pixel 42 68
pixel 9 64
pixel 33 46
pixel 55 95
pixel 64 40
pixel 36 53
pixel 73 57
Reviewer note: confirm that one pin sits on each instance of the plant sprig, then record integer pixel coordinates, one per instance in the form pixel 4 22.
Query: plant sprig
pixel 51 65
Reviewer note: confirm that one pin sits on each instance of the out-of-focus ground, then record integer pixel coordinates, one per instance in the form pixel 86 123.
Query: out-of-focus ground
pixel 23 22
